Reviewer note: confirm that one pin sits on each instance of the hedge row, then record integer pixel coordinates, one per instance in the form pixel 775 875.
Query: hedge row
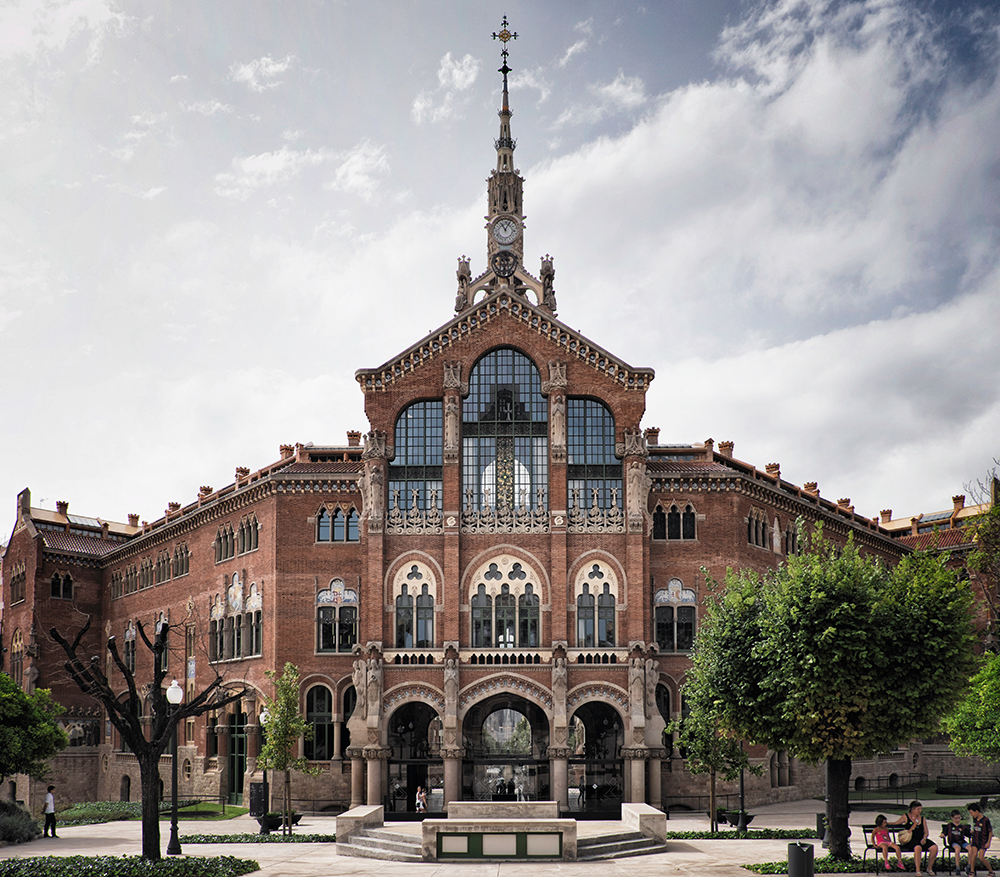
pixel 126 866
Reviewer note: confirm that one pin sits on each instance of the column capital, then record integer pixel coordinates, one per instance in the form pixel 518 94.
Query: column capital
pixel 558 751
pixel 458 753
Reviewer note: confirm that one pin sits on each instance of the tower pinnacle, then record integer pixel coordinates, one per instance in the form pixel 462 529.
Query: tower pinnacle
pixel 505 144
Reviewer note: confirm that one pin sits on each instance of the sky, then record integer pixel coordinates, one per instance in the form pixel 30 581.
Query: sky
pixel 212 214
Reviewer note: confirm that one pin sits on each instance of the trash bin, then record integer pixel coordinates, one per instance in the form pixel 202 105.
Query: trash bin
pixel 821 825
pixel 800 860
pixel 258 806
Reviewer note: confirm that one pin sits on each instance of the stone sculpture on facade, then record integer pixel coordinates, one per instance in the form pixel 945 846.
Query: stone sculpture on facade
pixel 451 428
pixel 464 277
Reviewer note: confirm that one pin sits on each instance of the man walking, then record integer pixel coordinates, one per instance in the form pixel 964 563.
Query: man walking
pixel 50 813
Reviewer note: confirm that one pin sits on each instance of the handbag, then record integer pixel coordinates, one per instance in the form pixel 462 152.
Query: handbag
pixel 904 836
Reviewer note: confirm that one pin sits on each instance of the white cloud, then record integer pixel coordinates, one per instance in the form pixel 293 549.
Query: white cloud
pixel 360 169
pixel 623 94
pixel 150 194
pixel 446 102
pixel 524 79
pixel 206 107
pixel 575 49
pixel 266 169
pixel 259 75
pixel 29 27
pixel 178 77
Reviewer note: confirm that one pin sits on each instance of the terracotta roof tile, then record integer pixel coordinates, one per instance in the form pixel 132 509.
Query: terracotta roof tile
pixel 684 467
pixel 940 539
pixel 78 544
pixel 352 467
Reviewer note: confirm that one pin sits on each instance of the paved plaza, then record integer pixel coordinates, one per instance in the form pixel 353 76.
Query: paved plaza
pixel 719 858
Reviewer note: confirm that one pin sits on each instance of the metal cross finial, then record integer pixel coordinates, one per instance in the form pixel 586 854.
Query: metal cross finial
pixel 504 36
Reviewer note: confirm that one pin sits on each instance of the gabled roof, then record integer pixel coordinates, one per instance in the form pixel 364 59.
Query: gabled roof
pixel 503 304
pixel 77 544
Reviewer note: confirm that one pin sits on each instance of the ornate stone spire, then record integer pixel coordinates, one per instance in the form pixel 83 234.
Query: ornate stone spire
pixel 505 144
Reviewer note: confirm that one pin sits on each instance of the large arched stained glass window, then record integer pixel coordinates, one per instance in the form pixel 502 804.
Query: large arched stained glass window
pixel 415 473
pixel 505 443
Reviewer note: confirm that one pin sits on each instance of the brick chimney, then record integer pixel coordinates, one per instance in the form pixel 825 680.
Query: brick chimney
pixel 354 438
pixel 62 506
pixel 204 490
pixel 886 515
pixel 845 503
pixel 241 472
pixel 653 435
pixel 726 449
pixel 286 451
pixel 172 507
pixel 773 469
pixel 959 502
pixel 709 449
pixel 133 519
pixel 811 487
pixel 914 522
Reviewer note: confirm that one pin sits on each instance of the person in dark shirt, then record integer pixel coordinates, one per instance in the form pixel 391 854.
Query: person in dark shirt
pixel 955 835
pixel 982 837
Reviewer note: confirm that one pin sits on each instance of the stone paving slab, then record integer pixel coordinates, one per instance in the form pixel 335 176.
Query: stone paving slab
pixel 719 858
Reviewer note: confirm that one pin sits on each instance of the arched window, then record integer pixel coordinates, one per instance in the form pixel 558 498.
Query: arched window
pixel 62 587
pixel 425 619
pixel 128 656
pixel 482 619
pixel 404 620
pixel 323 528
pixel 415 472
pixel 673 523
pixel 505 434
pixel 336 618
pixel 606 618
pixel 319 716
pixel 17 657
pixel 590 446
pixel 528 616
pixel 506 618
pixel 585 619
pixel 659 523
pixel 688 531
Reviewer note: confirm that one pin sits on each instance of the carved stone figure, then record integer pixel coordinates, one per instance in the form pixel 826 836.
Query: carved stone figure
pixel 464 276
pixel 360 686
pixel 451 412
pixel 453 376
pixel 548 275
pixel 374 686
pixel 636 685
pixel 652 678
pixel 450 684
pixel 559 685
pixel 372 492
pixel 638 488
pixel 558 421
pixel 557 373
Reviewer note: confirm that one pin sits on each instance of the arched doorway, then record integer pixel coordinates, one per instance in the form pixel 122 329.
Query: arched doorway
pixel 596 767
pixel 505 740
pixel 414 740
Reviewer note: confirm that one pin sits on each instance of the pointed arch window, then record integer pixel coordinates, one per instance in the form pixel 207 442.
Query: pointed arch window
pixel 247 535
pixel 592 465
pixel 17 657
pixel 482 619
pixel 585 619
pixel 340 525
pixel 596 606
pixel 425 619
pixel 415 473
pixel 675 523
pixel 505 434
pixel 505 607
pixel 61 586
pixel 674 617
pixel 528 617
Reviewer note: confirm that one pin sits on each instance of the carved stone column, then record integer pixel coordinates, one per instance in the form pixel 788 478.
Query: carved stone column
pixel 337 740
pixel 452 774
pixel 656 757
pixel 374 756
pixel 559 767
pixel 636 768
pixel 357 776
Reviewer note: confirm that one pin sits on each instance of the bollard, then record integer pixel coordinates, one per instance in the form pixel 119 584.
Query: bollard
pixel 800 860
pixel 821 825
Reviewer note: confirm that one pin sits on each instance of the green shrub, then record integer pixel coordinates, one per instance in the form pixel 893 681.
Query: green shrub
pixel 126 866
pixel 16 824
pixel 93 812
pixel 751 834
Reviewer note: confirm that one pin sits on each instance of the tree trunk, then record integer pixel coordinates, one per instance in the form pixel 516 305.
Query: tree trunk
pixel 287 827
pixel 149 781
pixel 713 808
pixel 838 833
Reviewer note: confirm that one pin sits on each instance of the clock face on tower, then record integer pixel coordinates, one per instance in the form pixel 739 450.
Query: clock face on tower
pixel 506 230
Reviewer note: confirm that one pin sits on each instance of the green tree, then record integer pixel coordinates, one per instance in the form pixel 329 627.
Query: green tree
pixel 282 731
pixel 974 726
pixel 834 656
pixel 29 733
pixel 124 713
pixel 983 561
pixel 706 748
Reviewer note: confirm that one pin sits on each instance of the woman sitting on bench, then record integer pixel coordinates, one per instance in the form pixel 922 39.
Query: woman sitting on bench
pixel 914 837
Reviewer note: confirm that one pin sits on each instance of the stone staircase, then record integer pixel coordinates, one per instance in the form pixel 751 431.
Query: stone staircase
pixel 382 843
pixel 616 846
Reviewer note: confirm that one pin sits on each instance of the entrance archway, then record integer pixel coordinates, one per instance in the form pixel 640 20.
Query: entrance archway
pixel 414 739
pixel 505 739
pixel 596 767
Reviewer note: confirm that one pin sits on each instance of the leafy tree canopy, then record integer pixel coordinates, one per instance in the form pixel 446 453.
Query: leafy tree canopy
pixel 29 733
pixel 974 726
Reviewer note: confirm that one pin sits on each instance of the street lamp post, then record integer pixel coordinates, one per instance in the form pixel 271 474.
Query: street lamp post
pixel 175 694
pixel 264 829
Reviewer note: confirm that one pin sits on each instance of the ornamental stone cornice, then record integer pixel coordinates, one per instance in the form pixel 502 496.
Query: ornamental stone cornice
pixel 503 304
